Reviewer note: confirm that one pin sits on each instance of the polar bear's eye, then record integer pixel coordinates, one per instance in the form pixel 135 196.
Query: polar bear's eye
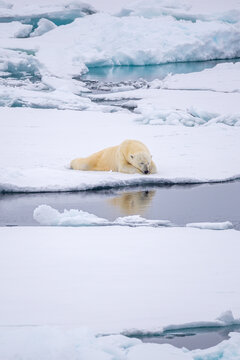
pixel 141 163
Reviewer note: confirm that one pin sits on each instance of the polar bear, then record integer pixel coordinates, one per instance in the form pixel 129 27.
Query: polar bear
pixel 130 157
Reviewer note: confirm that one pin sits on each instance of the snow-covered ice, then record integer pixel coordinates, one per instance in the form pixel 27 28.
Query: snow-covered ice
pixel 105 40
pixel 14 29
pixel 212 226
pixel 223 77
pixel 117 278
pixel 54 343
pixel 138 276
pixel 180 107
pixel 56 10
pixel 224 11
pixel 43 26
pixel 46 215
pixel 100 39
pixel 36 157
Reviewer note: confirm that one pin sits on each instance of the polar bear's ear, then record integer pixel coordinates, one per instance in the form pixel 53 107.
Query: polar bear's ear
pixel 131 156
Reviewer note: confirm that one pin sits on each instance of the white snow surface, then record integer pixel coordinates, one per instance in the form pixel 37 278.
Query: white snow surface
pixel 62 9
pixel 180 107
pixel 105 40
pixel 14 29
pixel 44 25
pixel 114 278
pixel 38 146
pixel 54 343
pixel 212 226
pixel 223 78
pixel 225 11
pixel 46 215
pixel 58 53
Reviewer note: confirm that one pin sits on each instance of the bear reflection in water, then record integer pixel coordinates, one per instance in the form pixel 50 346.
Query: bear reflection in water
pixel 133 203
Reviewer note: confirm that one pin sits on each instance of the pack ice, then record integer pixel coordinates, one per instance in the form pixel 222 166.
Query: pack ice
pixel 64 39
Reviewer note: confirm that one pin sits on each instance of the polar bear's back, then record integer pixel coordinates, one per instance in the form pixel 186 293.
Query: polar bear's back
pixel 105 160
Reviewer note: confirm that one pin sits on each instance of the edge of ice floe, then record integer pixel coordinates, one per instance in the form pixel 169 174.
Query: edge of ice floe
pixel 49 216
pixel 29 181
pixel 224 320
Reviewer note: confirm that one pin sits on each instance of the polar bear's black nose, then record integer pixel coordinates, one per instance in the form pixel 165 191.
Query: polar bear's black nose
pixel 146 172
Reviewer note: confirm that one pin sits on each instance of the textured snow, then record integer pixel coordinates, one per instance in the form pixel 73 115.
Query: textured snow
pixel 54 343
pixel 43 26
pixel 37 157
pixel 60 9
pixel 46 215
pixel 104 40
pixel 16 61
pixel 212 226
pixel 14 29
pixel 58 53
pixel 179 107
pixel 144 278
pixel 26 94
pixel 225 11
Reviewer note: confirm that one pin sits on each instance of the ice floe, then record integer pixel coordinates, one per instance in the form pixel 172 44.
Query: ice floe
pixel 46 215
pixel 105 40
pixel 14 29
pixel 225 11
pixel 36 156
pixel 180 107
pixel 63 52
pixel 54 342
pixel 157 278
pixel 60 10
pixel 223 77
pixel 212 226
pixel 43 26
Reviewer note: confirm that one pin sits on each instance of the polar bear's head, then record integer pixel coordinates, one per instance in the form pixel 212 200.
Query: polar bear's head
pixel 141 161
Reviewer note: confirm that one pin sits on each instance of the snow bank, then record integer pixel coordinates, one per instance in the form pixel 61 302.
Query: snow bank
pixel 53 343
pixel 223 77
pixel 212 226
pixel 46 215
pixel 36 158
pixel 226 11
